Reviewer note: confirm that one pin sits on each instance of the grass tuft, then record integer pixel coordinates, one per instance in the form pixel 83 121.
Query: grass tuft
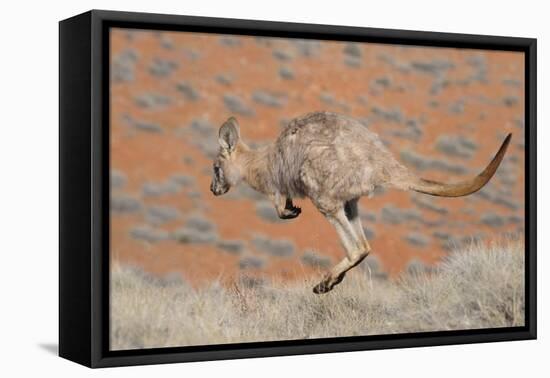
pixel 478 286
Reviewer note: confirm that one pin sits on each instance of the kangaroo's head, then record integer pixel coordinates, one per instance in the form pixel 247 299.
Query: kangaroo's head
pixel 227 169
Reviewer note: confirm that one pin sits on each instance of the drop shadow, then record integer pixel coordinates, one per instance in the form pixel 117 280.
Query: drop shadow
pixel 50 348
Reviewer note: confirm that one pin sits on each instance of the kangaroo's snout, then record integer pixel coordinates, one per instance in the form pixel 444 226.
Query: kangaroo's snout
pixel 217 189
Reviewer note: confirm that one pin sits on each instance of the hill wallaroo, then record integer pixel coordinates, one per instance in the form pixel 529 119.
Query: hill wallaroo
pixel 333 160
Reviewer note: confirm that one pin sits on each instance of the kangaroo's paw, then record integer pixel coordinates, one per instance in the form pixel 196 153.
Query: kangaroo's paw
pixel 290 213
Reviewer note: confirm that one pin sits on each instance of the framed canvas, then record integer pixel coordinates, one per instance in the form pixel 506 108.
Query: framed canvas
pixel 235 188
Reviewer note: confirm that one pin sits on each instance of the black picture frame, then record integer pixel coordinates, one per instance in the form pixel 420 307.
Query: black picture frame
pixel 84 188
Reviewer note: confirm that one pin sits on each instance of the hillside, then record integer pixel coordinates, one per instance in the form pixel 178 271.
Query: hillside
pixel 443 112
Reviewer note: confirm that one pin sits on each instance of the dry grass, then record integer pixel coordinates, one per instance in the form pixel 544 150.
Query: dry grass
pixel 481 286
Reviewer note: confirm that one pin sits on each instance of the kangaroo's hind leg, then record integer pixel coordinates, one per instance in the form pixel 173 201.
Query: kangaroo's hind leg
pixel 356 248
pixel 352 213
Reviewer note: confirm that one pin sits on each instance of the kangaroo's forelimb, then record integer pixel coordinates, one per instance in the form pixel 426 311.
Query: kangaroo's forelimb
pixel 284 206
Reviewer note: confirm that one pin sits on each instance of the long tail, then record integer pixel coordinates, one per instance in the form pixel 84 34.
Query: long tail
pixel 463 188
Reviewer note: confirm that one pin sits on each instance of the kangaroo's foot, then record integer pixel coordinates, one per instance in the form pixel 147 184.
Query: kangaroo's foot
pixel 328 283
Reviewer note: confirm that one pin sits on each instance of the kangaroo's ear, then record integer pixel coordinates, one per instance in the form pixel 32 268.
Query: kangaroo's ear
pixel 229 134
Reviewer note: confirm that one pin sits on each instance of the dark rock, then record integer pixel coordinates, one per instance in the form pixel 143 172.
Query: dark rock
pixel 329 99
pixel 424 202
pixel 188 91
pixel 151 101
pixel 422 163
pixel 493 220
pixel 191 55
pixel 367 216
pixel 188 160
pixel 439 83
pixel 194 195
pixel 118 179
pixel 353 49
pixel 477 60
pixel 412 131
pixel 148 234
pixel 166 42
pixel 264 41
pixel 162 68
pixel 510 101
pixel 149 127
pixel 145 126
pixel 159 215
pixel 225 79
pixel 307 47
pixel 383 81
pixel 393 215
pixel 200 224
pixel 416 239
pixel 457 107
pixel 286 73
pixel 266 211
pixel 151 189
pixel 209 146
pixel 511 82
pixel 282 55
pixel 456 146
pixel 277 248
pixel 266 98
pixel 391 115
pixel 230 41
pixel 506 202
pixel 203 127
pixel 497 198
pixel 123 204
pixel 434 67
pixel 183 180
pixel 197 230
pixel 236 105
pixel 369 233
pixel 315 260
pixel 123 66
pixel 444 236
pixel 251 262
pixel 234 247
pixel 353 62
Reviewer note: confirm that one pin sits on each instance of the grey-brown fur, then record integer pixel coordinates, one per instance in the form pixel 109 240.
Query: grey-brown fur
pixel 333 160
pixel 327 154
